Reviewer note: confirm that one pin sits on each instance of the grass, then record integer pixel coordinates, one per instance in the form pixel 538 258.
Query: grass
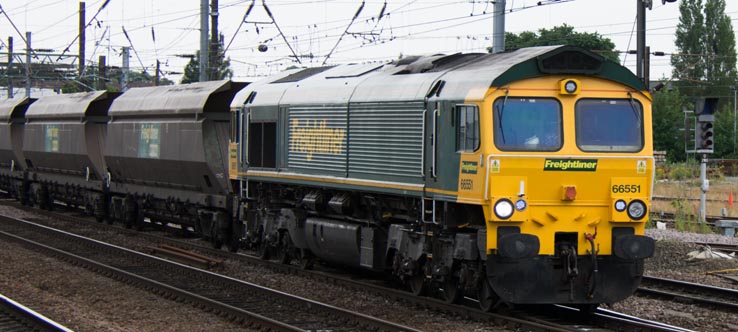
pixel 686 194
pixel 680 183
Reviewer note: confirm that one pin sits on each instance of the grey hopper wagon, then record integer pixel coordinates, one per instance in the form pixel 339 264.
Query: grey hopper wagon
pixel 63 140
pixel 166 151
pixel 12 162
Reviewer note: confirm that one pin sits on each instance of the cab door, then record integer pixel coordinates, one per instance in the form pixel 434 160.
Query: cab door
pixel 442 161
pixel 467 125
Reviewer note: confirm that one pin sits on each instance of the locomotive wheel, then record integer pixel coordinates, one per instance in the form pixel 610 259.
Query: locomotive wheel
pixel 262 251
pixel 262 247
pixel 307 261
pixel 486 296
pixel 587 308
pixel 417 282
pixel 452 291
pixel 284 248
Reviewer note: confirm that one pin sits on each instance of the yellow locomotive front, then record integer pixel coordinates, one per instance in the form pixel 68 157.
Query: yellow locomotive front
pixel 567 187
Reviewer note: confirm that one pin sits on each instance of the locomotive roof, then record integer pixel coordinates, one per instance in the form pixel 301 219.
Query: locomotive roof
pixel 464 76
pixel 71 105
pixel 14 108
pixel 176 99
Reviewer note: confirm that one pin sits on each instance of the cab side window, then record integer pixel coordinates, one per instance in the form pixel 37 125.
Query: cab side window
pixel 467 129
pixel 262 143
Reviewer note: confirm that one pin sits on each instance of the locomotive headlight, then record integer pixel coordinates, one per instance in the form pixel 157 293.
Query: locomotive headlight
pixel 504 208
pixel 620 205
pixel 569 86
pixel 636 210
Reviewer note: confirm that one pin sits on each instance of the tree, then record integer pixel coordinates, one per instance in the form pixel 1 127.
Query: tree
pixel 706 43
pixel 221 71
pixel 707 64
pixel 561 35
pixel 668 119
pixel 720 63
pixel 724 146
pixel 113 82
pixel 689 70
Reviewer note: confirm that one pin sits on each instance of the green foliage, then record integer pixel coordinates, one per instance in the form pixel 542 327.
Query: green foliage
pixel 687 172
pixel 73 86
pixel 719 42
pixel 689 40
pixel 682 214
pixel 561 35
pixel 724 135
pixel 682 171
pixel 222 66
pixel 667 120
pixel 705 34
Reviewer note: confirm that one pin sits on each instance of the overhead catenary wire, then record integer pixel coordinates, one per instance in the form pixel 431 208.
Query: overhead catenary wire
pixel 243 20
pixel 134 50
pixel 66 49
pixel 325 33
pixel 344 32
pixel 23 37
pixel 263 2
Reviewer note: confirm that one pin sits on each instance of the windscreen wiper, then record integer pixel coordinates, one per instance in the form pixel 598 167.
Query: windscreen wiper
pixel 500 111
pixel 635 109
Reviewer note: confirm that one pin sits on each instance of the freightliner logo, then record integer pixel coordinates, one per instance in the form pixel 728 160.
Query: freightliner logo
pixel 570 165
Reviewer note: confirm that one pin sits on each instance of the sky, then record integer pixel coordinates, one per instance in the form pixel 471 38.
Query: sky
pixel 322 31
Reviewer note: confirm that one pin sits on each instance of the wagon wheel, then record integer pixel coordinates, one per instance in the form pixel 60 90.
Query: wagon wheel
pixel 233 243
pixel 486 295
pixel 216 239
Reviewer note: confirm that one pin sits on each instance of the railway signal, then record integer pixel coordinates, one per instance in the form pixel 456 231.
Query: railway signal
pixel 704 142
pixel 705 138
pixel 704 130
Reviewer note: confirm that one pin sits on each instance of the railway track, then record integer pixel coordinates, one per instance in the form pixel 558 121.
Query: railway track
pixel 669 217
pixel 598 320
pixel 240 301
pixel 720 298
pixel 722 247
pixel 16 317
pixel 515 320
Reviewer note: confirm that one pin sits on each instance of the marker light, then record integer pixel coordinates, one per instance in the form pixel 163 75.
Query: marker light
pixel 620 205
pixel 504 208
pixel 521 204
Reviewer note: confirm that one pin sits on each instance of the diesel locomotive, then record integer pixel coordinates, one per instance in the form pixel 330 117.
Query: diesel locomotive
pixel 522 177
pixel 519 177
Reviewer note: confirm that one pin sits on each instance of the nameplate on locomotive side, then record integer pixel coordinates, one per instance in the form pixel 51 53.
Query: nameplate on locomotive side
pixel 469 167
pixel 570 165
pixel 315 136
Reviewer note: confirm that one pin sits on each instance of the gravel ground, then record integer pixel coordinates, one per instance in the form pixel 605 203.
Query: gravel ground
pixel 160 316
pixel 670 261
pixel 84 301
pixel 100 304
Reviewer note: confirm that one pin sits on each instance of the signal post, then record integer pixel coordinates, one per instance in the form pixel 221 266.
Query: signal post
pixel 704 142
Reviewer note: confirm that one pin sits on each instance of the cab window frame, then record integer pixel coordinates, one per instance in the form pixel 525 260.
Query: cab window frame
pixel 579 135
pixel 522 148
pixel 461 119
